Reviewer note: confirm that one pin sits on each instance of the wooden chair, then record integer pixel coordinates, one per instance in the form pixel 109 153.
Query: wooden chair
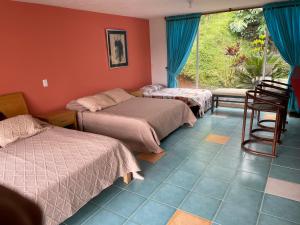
pixel 257 101
pixel 278 92
pixel 276 98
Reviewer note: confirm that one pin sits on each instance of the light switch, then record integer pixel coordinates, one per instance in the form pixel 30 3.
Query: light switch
pixel 45 83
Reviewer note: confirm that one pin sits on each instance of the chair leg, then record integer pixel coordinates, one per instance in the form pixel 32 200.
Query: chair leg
pixel 280 126
pixel 244 121
pixel 284 122
pixel 276 133
pixel 213 104
pixel 251 122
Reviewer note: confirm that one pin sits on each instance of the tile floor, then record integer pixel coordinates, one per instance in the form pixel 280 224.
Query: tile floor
pixel 205 178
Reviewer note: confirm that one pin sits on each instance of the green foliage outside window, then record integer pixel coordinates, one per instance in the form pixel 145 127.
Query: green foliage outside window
pixel 248 24
pixel 231 51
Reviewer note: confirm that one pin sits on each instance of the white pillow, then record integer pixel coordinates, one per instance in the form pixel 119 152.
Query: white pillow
pixel 18 127
pixel 89 102
pixel 104 101
pixel 118 95
pixel 148 89
pixel 75 106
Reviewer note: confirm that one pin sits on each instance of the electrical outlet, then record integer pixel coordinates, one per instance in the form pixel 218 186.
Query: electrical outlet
pixel 45 83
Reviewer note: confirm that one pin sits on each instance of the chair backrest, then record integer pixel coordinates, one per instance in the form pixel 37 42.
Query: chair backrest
pixel 276 84
pixel 258 97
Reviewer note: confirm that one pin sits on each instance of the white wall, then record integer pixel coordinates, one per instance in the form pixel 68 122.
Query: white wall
pixel 158 50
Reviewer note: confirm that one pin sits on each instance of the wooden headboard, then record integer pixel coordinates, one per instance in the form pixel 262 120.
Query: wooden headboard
pixel 13 104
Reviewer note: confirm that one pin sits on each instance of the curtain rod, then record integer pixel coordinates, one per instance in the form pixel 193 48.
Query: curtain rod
pixel 237 9
pixel 231 9
pixel 226 10
pixel 250 7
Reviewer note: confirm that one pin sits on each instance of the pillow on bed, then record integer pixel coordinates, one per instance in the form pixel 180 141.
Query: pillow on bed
pixel 148 89
pixel 89 102
pixel 18 127
pixel 2 116
pixel 75 106
pixel 104 101
pixel 118 95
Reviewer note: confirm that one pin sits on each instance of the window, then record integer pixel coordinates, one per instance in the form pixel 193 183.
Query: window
pixel 232 49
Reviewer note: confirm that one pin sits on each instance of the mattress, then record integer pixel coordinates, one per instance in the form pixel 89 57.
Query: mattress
pixel 139 122
pixel 192 97
pixel 62 169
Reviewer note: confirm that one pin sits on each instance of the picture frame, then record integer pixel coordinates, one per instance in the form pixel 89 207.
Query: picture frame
pixel 117 48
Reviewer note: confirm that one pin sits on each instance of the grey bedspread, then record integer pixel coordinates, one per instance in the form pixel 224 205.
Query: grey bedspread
pixel 139 122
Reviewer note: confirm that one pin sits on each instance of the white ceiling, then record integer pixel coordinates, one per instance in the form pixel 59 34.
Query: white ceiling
pixel 151 8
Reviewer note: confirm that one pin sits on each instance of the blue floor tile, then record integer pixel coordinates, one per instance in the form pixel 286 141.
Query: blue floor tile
pixel 144 165
pixel 245 197
pixel 184 149
pixel 170 160
pixel 232 147
pixel 227 161
pixel 234 214
pixel 158 173
pixel 286 174
pixel 255 166
pixel 266 160
pixel 251 180
pixel 291 139
pixel 106 195
pixel 204 156
pixel 287 161
pixel 269 220
pixel 82 214
pixel 181 151
pixel 182 179
pixel 281 208
pixel 170 140
pixel 104 217
pixel 153 213
pixel 125 203
pixel 233 152
pixel 211 187
pixel 193 166
pixel 221 173
pixel 143 187
pixel 209 147
pixel 130 223
pixel 202 206
pixel 288 151
pixel 170 195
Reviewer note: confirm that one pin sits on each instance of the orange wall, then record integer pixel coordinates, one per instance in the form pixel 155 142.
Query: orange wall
pixel 67 47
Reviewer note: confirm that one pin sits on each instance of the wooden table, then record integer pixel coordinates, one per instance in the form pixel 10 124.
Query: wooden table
pixel 61 118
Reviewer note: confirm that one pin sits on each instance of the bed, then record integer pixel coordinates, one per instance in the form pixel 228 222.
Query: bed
pixel 199 100
pixel 61 169
pixel 139 122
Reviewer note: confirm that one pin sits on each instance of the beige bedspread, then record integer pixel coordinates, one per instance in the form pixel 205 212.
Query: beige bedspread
pixel 63 169
pixel 139 122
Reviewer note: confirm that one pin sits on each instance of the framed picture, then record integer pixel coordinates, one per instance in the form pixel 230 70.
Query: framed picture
pixel 117 48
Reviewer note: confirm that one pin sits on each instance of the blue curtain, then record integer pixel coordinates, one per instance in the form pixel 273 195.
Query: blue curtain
pixel 283 21
pixel 181 33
